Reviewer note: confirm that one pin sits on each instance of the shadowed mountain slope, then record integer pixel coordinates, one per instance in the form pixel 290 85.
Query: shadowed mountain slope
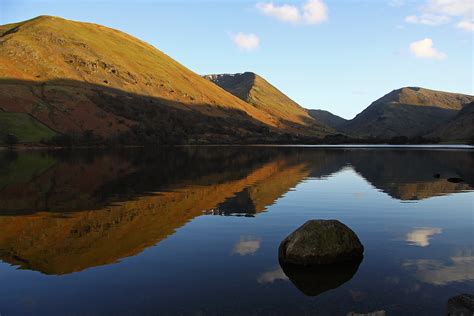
pixel 255 90
pixel 327 118
pixel 460 128
pixel 407 112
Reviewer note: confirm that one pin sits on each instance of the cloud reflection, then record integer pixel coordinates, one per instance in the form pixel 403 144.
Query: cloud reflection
pixel 247 245
pixel 421 236
pixel 461 268
pixel 272 276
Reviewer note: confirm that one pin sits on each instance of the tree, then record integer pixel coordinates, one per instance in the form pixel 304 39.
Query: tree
pixel 11 139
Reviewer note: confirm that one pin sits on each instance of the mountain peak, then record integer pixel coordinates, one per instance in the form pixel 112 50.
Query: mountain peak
pixel 417 96
pixel 408 111
pixel 255 90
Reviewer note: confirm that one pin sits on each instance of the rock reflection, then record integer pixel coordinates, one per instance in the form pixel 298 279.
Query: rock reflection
pixel 313 281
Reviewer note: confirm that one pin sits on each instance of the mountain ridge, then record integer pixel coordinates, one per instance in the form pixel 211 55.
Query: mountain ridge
pixel 254 89
pixel 408 111
pixel 328 118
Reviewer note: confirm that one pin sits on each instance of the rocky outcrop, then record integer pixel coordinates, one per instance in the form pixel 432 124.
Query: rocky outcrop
pixel 320 242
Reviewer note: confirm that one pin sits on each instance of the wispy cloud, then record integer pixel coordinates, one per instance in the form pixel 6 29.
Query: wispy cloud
pixel 421 236
pixel 467 25
pixel 438 12
pixel 246 42
pixel 285 13
pixel 427 19
pixel 311 12
pixel 424 49
pixel 450 7
pixel 247 245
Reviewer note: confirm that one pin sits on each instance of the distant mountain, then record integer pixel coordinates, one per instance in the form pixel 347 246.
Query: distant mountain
pixel 88 80
pixel 407 112
pixel 327 118
pixel 255 90
pixel 460 128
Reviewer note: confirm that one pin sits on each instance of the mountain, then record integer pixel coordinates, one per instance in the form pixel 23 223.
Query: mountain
pixel 255 90
pixel 84 79
pixel 327 118
pixel 407 112
pixel 460 128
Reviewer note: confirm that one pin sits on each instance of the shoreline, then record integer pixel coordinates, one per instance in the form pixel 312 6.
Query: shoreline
pixel 348 146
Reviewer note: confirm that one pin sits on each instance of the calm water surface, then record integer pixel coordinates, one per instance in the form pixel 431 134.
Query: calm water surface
pixel 195 230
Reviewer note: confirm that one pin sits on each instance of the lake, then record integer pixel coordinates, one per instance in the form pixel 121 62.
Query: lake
pixel 196 230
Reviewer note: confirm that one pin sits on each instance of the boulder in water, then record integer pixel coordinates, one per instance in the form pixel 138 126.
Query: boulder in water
pixel 320 242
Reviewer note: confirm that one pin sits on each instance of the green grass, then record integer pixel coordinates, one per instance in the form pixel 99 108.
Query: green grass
pixel 26 128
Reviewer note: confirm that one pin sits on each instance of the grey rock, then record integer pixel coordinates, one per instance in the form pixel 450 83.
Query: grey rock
pixel 319 242
pixel 461 305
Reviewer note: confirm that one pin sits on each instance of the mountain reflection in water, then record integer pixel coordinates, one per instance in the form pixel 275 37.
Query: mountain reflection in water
pixel 65 211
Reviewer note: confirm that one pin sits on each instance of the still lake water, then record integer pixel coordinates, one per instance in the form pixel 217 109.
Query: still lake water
pixel 195 230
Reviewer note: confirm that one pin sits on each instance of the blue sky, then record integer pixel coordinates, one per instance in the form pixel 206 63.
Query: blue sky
pixel 336 55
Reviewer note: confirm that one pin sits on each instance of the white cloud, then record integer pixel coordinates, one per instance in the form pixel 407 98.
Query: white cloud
pixel 421 236
pixel 437 12
pixel 466 25
pixel 312 12
pixel 450 7
pixel 246 42
pixel 424 49
pixel 427 19
pixel 272 276
pixel 285 13
pixel 246 246
pixel 315 12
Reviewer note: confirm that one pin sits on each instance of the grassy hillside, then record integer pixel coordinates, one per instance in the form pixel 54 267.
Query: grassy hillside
pixel 260 93
pixel 26 128
pixel 407 112
pixel 76 77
